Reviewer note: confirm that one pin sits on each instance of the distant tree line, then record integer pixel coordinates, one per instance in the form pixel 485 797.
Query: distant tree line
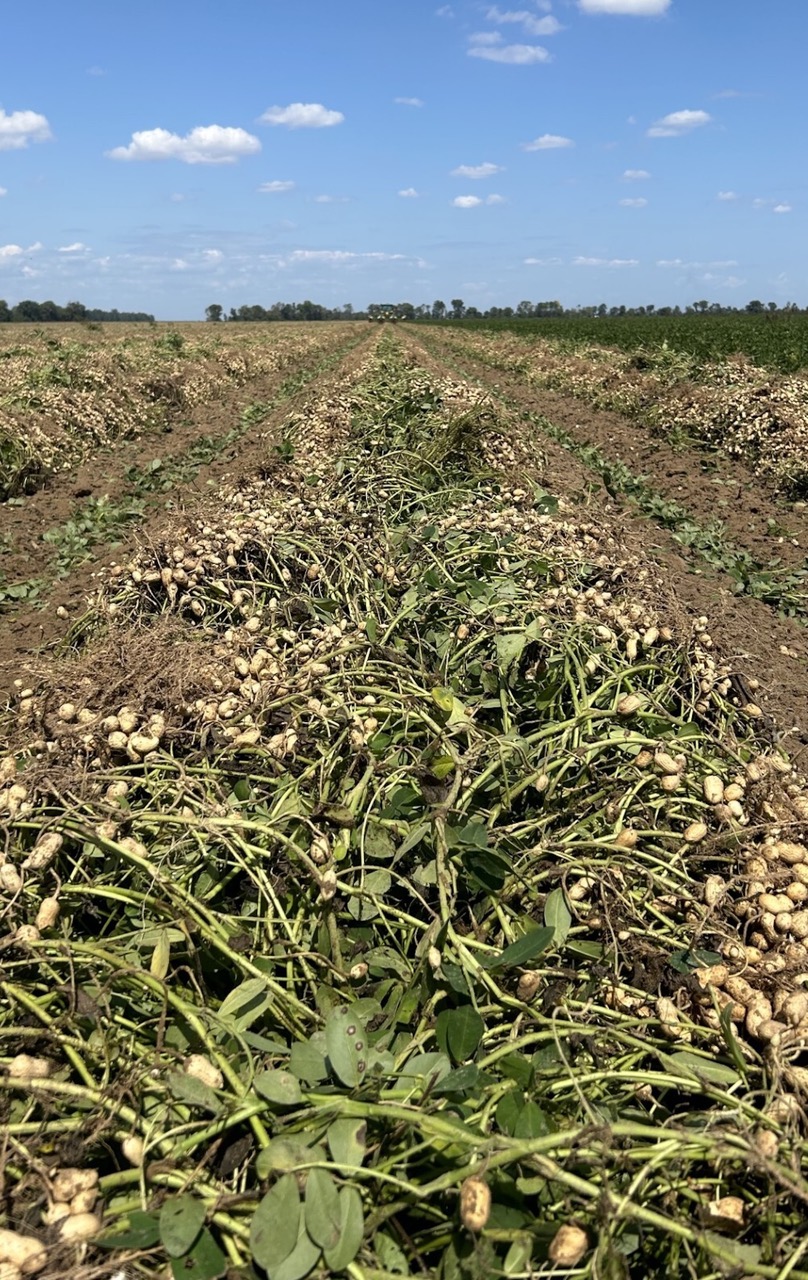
pixel 284 311
pixel 457 310
pixel 28 312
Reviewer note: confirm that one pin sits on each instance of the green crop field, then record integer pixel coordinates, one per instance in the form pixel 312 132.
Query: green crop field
pixel 774 340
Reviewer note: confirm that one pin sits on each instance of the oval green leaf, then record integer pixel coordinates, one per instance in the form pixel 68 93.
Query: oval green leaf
pixel 526 948
pixel 275 1225
pixel 464 1031
pixel 307 1063
pixel 346 1042
pixel 347 1140
pixel 557 915
pixel 352 1228
pixel 531 1122
pixel 205 1261
pixel 322 1212
pixel 181 1220
pixel 303 1258
pixel 280 1087
pixel 285 1155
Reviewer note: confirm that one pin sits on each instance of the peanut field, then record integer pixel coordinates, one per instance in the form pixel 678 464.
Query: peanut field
pixel 405 841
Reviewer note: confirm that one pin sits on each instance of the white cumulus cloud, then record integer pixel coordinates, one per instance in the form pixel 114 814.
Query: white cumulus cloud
pixel 276 186
pixel 543 262
pixel 724 282
pixel 534 26
pixel 681 263
pixel 605 262
pixel 486 170
pixel 9 251
pixel 548 142
pixel 636 175
pixel 728 195
pixel 488 45
pixel 776 206
pixel 341 257
pixel 471 202
pixel 678 123
pixel 207 144
pixel 78 247
pixel 408 102
pixel 639 203
pixel 3 191
pixel 331 199
pixel 409 193
pixel 634 8
pixel 21 127
pixel 302 115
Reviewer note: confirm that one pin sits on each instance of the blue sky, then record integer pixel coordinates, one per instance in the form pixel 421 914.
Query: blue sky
pixel 163 156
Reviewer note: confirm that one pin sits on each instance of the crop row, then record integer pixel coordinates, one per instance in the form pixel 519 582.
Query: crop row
pixel 62 400
pixel 374 883
pixel 736 407
pixel 105 520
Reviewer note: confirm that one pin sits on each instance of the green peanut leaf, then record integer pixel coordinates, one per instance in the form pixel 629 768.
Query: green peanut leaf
pixel 459 1031
pixel 557 915
pixel 346 1141
pixel 526 948
pixel 205 1261
pixel 352 1227
pixel 275 1224
pixel 347 1047
pixel 322 1209
pixel 181 1220
pixel 280 1087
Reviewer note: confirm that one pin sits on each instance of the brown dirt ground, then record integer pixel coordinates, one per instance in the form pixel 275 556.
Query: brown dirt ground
pixel 711 486
pixel 28 629
pixel 759 642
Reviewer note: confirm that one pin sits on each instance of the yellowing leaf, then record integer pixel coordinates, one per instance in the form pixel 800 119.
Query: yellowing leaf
pixel 161 956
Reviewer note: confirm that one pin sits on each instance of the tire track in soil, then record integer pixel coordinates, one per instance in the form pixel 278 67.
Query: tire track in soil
pixel 749 631
pixel 28 629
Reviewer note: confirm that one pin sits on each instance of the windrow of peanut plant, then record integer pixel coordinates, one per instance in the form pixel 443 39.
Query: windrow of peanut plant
pixel 61 400
pixel 394 890
pixel 102 521
pixel 735 406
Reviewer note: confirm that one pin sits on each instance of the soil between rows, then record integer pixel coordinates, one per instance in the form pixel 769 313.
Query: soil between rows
pixel 712 485
pixel 30 628
pixel 760 642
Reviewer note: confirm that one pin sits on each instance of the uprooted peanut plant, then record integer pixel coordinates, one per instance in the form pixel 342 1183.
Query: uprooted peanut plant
pixel 395 884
